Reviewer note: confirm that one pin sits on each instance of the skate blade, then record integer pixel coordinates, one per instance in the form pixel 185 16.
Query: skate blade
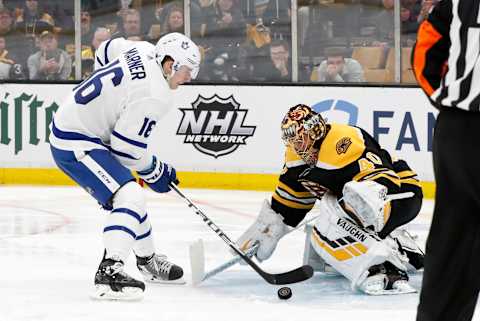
pixel 162 281
pixel 400 287
pixel 104 292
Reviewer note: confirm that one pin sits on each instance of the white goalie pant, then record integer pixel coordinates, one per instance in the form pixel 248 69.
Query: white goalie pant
pixel 349 249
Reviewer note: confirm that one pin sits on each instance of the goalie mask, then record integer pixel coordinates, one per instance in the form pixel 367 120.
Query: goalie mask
pixel 301 129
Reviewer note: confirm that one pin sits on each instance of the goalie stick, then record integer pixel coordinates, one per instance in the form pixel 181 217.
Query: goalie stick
pixel 297 275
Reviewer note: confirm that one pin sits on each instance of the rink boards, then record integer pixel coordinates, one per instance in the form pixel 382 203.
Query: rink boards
pixel 224 136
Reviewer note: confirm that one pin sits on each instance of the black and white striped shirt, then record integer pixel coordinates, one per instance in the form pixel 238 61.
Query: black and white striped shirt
pixel 446 55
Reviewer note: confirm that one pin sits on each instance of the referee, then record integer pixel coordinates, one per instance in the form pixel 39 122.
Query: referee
pixel 446 62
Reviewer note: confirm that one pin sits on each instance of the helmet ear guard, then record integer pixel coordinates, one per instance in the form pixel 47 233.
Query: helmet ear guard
pixel 301 129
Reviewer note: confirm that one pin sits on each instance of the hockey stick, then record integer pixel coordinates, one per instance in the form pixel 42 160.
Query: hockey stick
pixel 399 196
pixel 299 274
pixel 197 258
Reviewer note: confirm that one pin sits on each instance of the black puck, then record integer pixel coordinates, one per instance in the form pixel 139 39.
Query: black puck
pixel 284 293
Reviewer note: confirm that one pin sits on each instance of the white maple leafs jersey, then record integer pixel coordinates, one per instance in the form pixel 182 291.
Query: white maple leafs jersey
pixel 117 107
pixel 110 49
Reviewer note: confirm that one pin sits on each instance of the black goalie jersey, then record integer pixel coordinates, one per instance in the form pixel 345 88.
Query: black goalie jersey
pixel 346 153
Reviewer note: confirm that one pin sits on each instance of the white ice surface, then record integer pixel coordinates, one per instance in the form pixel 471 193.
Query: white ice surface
pixel 51 244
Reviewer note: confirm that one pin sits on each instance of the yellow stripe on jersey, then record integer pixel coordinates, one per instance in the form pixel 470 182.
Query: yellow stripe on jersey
pixel 387 210
pixel 291 204
pixel 290 191
pixel 388 176
pixel 406 174
pixel 365 173
pixel 411 181
pixel 374 174
pixel 343 145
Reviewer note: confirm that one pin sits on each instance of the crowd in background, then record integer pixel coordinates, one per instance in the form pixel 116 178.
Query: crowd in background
pixel 241 40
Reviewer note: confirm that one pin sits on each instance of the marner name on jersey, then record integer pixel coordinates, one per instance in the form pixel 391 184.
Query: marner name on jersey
pixel 135 64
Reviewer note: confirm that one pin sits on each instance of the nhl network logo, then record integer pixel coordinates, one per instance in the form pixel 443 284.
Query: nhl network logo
pixel 215 125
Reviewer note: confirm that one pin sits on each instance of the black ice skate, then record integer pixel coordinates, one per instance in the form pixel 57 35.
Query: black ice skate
pixel 157 269
pixel 111 283
pixel 386 279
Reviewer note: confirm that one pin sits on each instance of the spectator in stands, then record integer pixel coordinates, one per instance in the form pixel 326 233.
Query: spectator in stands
pixel 206 10
pixel 173 21
pixel 338 68
pixel 277 17
pixel 100 35
pixel 31 22
pixel 88 52
pixel 409 27
pixel 34 19
pixel 131 25
pixel 6 61
pixel 225 31
pixel 51 62
pixel 5 21
pixel 384 24
pixel 86 27
pixel 14 40
pixel 277 68
pixel 425 9
pixel 62 12
pixel 227 25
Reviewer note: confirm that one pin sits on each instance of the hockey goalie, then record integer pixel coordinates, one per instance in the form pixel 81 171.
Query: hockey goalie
pixel 355 181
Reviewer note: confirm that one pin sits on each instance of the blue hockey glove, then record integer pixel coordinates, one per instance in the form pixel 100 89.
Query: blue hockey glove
pixel 159 176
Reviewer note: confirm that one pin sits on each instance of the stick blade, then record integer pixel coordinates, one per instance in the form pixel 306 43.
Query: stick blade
pixel 300 274
pixel 197 261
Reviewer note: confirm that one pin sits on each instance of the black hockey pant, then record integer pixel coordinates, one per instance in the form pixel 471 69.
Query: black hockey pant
pixel 451 277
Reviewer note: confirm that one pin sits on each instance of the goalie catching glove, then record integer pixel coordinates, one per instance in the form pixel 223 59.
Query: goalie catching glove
pixel 159 176
pixel 266 231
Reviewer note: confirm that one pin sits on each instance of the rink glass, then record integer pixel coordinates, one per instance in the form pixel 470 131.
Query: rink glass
pixel 235 36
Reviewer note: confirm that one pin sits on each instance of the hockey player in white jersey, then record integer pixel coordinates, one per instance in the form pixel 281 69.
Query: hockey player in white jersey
pixel 110 49
pixel 100 134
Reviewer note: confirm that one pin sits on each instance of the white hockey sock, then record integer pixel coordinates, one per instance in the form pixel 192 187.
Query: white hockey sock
pixel 120 232
pixel 127 221
pixel 144 244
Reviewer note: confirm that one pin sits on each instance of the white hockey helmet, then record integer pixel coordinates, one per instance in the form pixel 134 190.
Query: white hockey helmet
pixel 181 49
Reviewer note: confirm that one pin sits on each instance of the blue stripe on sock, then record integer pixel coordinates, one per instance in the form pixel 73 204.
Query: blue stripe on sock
pixel 120 228
pixel 144 235
pixel 131 213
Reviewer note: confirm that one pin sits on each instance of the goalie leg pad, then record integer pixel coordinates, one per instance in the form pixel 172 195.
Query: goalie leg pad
pixel 349 249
